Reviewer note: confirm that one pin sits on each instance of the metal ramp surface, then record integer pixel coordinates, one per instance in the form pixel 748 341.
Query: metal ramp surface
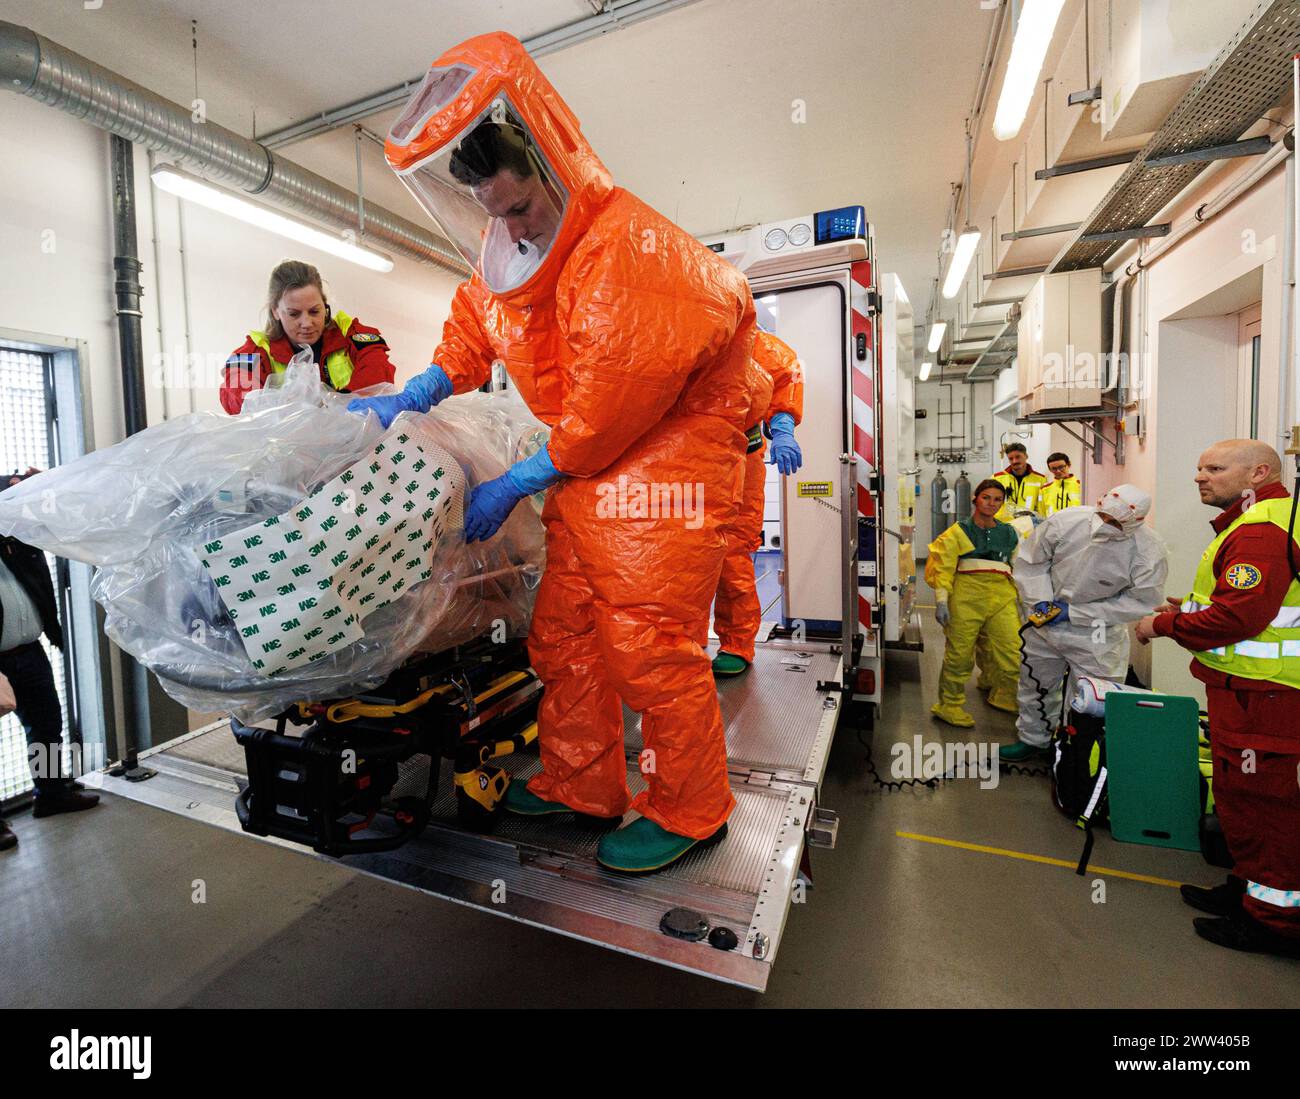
pixel 544 873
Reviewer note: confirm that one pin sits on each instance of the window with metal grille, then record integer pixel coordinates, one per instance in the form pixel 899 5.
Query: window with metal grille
pixel 28 440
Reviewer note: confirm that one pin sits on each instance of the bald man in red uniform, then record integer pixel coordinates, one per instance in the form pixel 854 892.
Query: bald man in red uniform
pixel 1242 623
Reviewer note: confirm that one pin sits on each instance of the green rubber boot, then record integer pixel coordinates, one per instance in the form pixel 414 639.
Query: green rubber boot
pixel 726 665
pixel 1020 752
pixel 524 803
pixel 643 847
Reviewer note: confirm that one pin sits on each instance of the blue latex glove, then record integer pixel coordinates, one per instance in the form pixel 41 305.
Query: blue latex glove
pixel 941 614
pixel 1063 617
pixel 1041 607
pixel 786 455
pixel 492 502
pixel 420 394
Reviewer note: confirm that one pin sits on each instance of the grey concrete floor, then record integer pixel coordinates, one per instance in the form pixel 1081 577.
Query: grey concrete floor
pixel 97 909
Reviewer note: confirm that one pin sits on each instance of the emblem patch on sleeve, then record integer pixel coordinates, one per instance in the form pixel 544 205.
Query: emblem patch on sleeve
pixel 367 337
pixel 1242 576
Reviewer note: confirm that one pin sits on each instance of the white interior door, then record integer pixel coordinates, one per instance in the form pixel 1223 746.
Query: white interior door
pixel 1249 341
pixel 812 319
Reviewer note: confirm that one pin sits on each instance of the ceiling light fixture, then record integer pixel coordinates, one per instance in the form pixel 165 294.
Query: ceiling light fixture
pixel 969 240
pixel 186 186
pixel 1028 52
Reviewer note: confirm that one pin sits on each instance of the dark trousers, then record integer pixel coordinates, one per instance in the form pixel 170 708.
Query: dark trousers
pixel 29 673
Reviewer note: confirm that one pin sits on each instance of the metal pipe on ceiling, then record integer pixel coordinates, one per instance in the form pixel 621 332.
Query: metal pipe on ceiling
pixel 40 69
pixel 615 15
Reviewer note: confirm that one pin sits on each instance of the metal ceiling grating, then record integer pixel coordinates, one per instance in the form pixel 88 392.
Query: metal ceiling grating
pixel 1001 351
pixel 1251 74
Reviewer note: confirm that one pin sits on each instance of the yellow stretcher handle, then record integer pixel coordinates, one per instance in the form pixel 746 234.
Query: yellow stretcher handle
pixel 341 712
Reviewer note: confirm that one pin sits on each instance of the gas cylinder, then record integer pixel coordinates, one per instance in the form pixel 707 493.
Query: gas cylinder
pixel 961 497
pixel 941 516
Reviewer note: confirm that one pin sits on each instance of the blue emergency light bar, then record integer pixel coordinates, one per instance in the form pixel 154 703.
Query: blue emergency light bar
pixel 846 223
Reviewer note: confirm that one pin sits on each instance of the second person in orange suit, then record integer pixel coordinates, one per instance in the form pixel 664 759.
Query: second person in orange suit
pixel 631 340
pixel 776 407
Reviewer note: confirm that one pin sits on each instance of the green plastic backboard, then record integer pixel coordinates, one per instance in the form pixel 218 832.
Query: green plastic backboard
pixel 1154 774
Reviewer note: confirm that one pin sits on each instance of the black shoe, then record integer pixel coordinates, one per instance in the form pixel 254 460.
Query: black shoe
pixel 65 801
pixel 1243 933
pixel 1222 900
pixel 7 837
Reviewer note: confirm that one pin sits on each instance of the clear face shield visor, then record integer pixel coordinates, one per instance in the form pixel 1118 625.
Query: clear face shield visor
pixel 491 191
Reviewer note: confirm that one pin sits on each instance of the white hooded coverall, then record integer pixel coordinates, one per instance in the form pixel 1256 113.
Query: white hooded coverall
pixel 1108 577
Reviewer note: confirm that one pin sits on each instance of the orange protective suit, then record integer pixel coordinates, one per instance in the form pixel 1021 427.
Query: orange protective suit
pixel 776 385
pixel 631 340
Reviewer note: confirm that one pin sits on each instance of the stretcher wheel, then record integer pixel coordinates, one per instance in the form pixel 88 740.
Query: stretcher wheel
pixel 481 810
pixel 411 812
pixel 472 817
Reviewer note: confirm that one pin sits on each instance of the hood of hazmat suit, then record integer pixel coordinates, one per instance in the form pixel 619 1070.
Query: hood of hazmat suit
pixel 632 342
pixel 1128 505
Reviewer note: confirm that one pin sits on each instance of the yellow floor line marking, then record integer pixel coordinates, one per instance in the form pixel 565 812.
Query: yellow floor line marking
pixel 1036 858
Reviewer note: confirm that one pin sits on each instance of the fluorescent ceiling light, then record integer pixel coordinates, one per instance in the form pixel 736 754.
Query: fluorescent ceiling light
pixel 936 336
pixel 189 187
pixel 925 371
pixel 1028 51
pixel 961 257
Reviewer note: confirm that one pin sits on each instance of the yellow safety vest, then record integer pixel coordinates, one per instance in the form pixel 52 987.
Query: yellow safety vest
pixel 337 363
pixel 1274 653
pixel 1022 495
pixel 1059 495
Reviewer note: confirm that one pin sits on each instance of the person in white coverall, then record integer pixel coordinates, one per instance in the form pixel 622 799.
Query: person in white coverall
pixel 1104 569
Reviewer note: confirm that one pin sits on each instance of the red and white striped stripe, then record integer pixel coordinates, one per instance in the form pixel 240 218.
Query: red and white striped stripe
pixel 865 378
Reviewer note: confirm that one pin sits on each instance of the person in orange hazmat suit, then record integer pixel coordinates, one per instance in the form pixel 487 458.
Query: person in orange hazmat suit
pixel 776 406
pixel 631 341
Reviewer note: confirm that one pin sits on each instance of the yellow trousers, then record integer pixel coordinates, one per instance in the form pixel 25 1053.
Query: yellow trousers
pixel 983 612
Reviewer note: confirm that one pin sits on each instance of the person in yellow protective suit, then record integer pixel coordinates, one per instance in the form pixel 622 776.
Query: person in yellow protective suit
pixel 776 405
pixel 969 568
pixel 631 340
pixel 1022 484
pixel 1062 492
pixel 1021 509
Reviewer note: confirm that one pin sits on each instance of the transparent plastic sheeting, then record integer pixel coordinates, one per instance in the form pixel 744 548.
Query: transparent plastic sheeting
pixel 143 512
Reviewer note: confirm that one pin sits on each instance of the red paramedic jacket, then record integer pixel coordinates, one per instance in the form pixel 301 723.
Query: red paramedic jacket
pixel 248 366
